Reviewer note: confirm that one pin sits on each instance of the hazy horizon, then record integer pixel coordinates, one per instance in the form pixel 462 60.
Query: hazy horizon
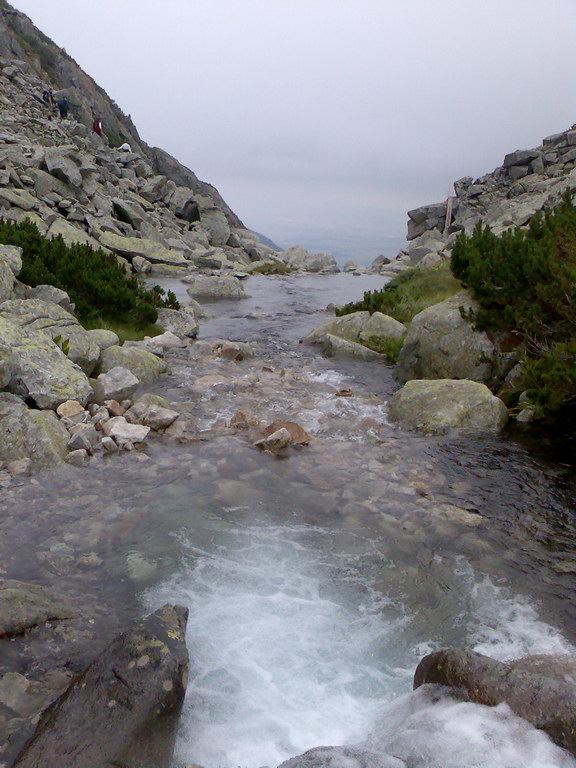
pixel 322 122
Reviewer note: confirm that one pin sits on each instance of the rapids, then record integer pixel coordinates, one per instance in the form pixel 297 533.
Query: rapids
pixel 315 583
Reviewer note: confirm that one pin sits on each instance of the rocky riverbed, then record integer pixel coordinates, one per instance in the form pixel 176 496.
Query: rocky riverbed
pixel 316 578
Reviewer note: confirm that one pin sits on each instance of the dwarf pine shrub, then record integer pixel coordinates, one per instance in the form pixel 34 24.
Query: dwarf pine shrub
pixel 96 283
pixel 525 284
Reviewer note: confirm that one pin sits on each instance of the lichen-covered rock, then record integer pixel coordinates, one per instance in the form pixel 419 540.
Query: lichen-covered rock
pixel 152 251
pixel 346 327
pixel 27 433
pixel 118 383
pixel 31 365
pixel 12 254
pixel 24 606
pixel 381 326
pixel 6 281
pixel 441 344
pixel 70 234
pixel 535 692
pixel 435 406
pixel 123 709
pixel 216 288
pixel 179 322
pixel 334 346
pixel 52 319
pixel 103 338
pixel 52 295
pixel 146 366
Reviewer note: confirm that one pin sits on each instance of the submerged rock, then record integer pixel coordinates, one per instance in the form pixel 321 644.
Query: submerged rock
pixel 540 692
pixel 437 405
pixel 23 606
pixel 146 366
pixel 342 757
pixel 216 288
pixel 123 709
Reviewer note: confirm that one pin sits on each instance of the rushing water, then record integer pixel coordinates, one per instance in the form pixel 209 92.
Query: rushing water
pixel 316 583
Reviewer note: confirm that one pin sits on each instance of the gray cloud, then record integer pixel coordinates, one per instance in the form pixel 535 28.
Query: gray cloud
pixel 323 121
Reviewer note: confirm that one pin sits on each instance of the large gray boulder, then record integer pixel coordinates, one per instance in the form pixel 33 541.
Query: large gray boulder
pixel 31 365
pixel 130 247
pixel 381 326
pixel 436 406
pixel 214 220
pixel 59 324
pixel 26 433
pixel 441 344
pixel 116 384
pixel 299 258
pixel 346 327
pixel 123 709
pixel 12 254
pixel 63 168
pixel 342 757
pixel 71 235
pixel 179 322
pixel 216 288
pixel 146 366
pixel 334 346
pixel 6 281
pixel 542 692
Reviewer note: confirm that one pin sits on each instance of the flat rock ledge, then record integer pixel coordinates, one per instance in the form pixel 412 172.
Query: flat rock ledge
pixel 539 689
pixel 439 405
pixel 123 709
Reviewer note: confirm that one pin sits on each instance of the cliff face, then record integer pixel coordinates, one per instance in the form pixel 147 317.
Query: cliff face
pixel 21 41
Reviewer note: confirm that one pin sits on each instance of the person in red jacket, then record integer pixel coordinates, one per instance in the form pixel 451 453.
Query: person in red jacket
pixel 97 127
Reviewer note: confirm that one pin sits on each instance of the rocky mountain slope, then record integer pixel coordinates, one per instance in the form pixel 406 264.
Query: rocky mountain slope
pixel 527 181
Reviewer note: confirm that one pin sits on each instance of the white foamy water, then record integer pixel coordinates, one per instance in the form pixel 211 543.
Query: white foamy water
pixel 291 648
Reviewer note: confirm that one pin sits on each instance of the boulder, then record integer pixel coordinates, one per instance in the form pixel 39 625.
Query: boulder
pixel 103 338
pixel 142 404
pixel 52 295
pixel 346 327
pixel 59 324
pixel 24 606
pixel 334 346
pixel 436 406
pixel 130 247
pixel 216 288
pixel 123 709
pixel 343 757
pixel 30 434
pixel 214 220
pixel 71 235
pixel 146 366
pixel 179 322
pixel 541 693
pixel 83 437
pixel 118 383
pixel 31 365
pixel 163 342
pixel 18 198
pixel 381 326
pixel 123 432
pixel 61 167
pixel 13 255
pixel 276 441
pixel 79 457
pixel 6 281
pixel 299 258
pixel 441 344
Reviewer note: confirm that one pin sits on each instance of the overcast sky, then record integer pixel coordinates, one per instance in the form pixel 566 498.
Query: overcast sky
pixel 323 121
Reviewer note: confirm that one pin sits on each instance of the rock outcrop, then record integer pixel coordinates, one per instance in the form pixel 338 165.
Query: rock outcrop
pixel 539 689
pixel 123 709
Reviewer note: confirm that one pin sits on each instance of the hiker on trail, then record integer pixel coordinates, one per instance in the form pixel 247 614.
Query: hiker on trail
pixel 124 147
pixel 97 127
pixel 63 107
pixel 48 99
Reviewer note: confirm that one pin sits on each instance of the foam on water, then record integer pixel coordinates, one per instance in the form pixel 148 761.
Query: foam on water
pixel 292 648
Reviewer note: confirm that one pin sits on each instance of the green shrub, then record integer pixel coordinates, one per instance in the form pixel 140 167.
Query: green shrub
pixel 525 284
pixel 408 294
pixel 387 346
pixel 94 280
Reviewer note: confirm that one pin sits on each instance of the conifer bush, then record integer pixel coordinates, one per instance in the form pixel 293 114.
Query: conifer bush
pixel 96 283
pixel 525 284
